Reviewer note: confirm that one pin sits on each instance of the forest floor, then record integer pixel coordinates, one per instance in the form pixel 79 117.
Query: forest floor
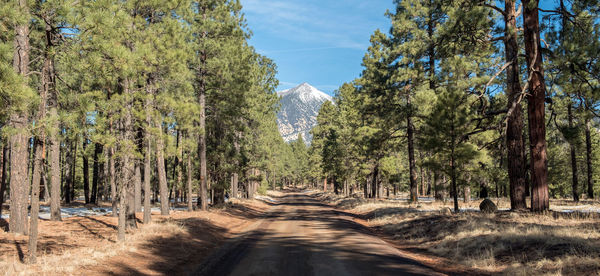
pixel 298 229
pixel 87 245
pixel 560 242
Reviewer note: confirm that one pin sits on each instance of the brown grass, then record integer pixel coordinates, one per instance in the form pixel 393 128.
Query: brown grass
pixel 504 243
pixel 88 246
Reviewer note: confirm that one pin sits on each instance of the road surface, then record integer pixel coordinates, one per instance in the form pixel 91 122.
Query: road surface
pixel 301 236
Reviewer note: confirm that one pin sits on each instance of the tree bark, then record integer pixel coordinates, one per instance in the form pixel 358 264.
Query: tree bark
pixel 202 150
pixel 575 182
pixel 189 182
pixel 374 186
pixel 19 141
pixel 147 162
pixel 201 91
pixel 514 131
pixel 235 176
pixel 96 173
pixel 3 170
pixel 453 179
pixel 86 172
pixel 540 200
pixel 179 161
pixel 588 151
pixel 38 176
pixel 75 146
pixel 162 174
pixel 137 187
pixel 126 165
pixel 411 152
pixel 112 175
pixel 467 190
pixel 234 185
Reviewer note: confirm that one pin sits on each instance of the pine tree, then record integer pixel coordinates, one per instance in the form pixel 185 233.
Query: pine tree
pixel 446 133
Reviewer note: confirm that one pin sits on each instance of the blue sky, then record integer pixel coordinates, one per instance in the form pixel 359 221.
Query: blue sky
pixel 321 42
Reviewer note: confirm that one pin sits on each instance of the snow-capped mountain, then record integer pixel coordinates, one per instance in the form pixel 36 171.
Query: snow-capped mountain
pixel 299 109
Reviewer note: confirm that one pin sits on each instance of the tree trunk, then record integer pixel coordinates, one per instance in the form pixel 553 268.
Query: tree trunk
pixel 536 107
pixel 179 162
pixel 162 174
pixel 131 196
pixel 113 186
pixel 453 179
pixel 202 152
pixel 588 151
pixel 137 187
pixel 514 132
pixel 126 168
pixel 3 170
pixel 234 185
pixel 86 172
pixel 54 158
pixel 575 182
pixel 436 185
pixel 19 141
pixel 73 164
pixel 147 178
pixel 148 158
pixel 68 149
pixel 527 169
pixel 96 173
pixel 411 152
pixel 374 188
pixel 38 176
pixel 467 191
pixel 235 176
pixel 202 125
pixel 189 182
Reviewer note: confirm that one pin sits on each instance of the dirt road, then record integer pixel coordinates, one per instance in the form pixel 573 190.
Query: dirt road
pixel 301 236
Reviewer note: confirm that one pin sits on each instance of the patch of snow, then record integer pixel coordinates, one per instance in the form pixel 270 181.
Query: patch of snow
pixel 66 212
pixel 266 198
pixel 306 93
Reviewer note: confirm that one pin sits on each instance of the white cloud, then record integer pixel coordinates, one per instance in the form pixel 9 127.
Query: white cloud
pixel 309 23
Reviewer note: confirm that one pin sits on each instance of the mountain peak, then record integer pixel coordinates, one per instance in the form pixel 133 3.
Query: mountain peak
pixel 306 92
pixel 299 109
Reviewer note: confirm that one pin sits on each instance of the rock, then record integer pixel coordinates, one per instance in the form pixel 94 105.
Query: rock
pixel 488 206
pixel 446 211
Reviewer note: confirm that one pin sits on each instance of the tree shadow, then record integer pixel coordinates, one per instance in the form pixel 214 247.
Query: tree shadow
pixel 114 227
pixel 172 253
pixel 19 251
pixel 505 237
pixel 4 224
pixel 203 248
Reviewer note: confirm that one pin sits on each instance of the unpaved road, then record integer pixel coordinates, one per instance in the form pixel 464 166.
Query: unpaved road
pixel 301 236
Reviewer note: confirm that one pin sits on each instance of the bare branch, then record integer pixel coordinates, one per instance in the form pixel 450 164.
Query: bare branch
pixel 496 9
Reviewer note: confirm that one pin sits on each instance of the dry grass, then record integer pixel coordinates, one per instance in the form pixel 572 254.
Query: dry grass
pixel 503 243
pixel 88 246
pixel 69 261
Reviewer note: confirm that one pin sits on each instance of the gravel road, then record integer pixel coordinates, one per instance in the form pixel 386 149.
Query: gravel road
pixel 301 236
